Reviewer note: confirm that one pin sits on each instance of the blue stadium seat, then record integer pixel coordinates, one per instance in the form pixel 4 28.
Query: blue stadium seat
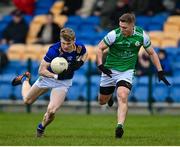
pixel 159 18
pixel 143 80
pixel 176 79
pixel 4 47
pixel 83 70
pixel 72 26
pixel 95 81
pixel 91 20
pixel 43 6
pixel 7 18
pixel 40 11
pixel 3 25
pixel 17 92
pixel 5 91
pixel 154 27
pixel 174 93
pixel 75 20
pixel 16 66
pixel 79 81
pixel 172 50
pixel 95 86
pixel 160 92
pixel 28 18
pixel 7 78
pixel 35 67
pixel 143 21
pixel 135 82
pixel 87 27
pixel 176 71
pixel 141 92
pixel 87 39
pixel 46 4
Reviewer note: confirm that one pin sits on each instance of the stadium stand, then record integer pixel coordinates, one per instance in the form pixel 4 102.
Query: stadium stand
pixel 162 28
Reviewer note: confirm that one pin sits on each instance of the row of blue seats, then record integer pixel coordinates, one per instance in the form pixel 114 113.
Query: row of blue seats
pixel 91 24
pixel 149 23
pixel 140 89
pixel 19 67
pixel 152 23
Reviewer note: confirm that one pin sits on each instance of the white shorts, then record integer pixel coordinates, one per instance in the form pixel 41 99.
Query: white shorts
pixel 45 82
pixel 117 76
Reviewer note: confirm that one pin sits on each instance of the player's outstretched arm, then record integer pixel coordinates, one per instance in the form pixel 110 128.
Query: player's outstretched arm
pixel 155 59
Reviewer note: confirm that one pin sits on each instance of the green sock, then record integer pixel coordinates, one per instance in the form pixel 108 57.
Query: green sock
pixel 119 126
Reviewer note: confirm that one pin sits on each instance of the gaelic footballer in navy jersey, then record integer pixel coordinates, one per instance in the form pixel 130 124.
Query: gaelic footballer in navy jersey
pixel 75 53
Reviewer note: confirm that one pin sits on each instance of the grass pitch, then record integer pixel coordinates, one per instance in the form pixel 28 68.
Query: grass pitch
pixel 19 129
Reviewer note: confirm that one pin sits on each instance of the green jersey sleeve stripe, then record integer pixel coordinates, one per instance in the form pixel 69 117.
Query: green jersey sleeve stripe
pixel 146 47
pixel 106 42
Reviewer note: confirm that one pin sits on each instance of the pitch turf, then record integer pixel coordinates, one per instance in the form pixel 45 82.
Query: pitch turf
pixel 19 129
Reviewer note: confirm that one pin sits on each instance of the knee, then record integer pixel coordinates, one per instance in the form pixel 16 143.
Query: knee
pixel 122 97
pixel 27 101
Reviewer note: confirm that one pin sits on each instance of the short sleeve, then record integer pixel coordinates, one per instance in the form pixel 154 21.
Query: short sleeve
pixel 110 38
pixel 50 54
pixel 146 40
pixel 83 51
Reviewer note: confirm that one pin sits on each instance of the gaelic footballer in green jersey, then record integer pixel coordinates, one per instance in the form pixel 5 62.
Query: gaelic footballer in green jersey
pixel 123 45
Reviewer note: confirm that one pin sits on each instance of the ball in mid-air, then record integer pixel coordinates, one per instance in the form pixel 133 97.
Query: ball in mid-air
pixel 58 65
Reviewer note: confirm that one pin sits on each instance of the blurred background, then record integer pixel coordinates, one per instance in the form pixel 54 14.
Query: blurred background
pixel 24 40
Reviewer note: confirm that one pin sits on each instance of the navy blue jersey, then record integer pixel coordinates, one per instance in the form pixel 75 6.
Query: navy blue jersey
pixel 56 51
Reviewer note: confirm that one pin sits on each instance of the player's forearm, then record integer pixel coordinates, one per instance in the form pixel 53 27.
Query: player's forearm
pixel 156 62
pixel 46 73
pixel 43 70
pixel 99 56
pixel 84 57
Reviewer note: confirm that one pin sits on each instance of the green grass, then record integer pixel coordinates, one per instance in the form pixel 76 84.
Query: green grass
pixel 19 129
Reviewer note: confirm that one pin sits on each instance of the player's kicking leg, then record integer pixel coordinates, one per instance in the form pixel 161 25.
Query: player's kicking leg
pixel 56 100
pixel 110 102
pixel 30 94
pixel 123 91
pixel 105 94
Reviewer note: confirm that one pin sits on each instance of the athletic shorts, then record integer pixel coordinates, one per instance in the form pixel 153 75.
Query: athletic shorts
pixel 45 82
pixel 117 76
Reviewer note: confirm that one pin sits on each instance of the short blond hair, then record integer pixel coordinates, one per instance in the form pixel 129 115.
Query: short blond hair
pixel 67 34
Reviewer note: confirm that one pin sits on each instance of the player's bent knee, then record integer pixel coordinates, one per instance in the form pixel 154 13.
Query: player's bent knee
pixel 27 101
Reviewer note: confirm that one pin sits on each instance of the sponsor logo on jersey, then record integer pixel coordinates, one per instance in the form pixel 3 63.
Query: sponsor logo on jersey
pixel 69 58
pixel 137 43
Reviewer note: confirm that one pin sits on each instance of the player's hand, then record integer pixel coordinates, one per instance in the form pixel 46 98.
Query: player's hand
pixel 161 77
pixel 65 74
pixel 76 65
pixel 106 71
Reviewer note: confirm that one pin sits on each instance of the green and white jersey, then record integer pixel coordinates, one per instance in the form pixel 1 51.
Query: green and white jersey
pixel 123 51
